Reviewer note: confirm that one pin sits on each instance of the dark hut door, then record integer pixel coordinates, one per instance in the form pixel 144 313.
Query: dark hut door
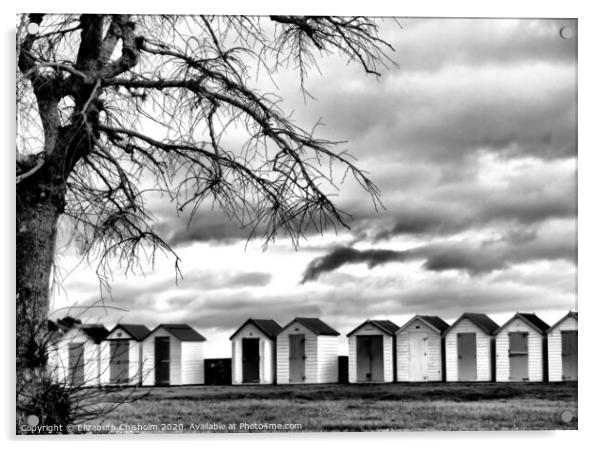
pixel 569 355
pixel 297 357
pixel 76 363
pixel 369 358
pixel 120 361
pixel 519 356
pixel 161 360
pixel 467 356
pixel 250 360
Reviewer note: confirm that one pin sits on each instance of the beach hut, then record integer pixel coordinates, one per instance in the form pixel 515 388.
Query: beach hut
pixel 469 348
pixel 307 352
pixel 420 350
pixel 520 347
pixel 562 349
pixel 254 352
pixel 74 358
pixel 372 352
pixel 173 355
pixel 121 355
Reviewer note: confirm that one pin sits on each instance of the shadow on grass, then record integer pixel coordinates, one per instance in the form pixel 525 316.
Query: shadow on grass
pixel 460 392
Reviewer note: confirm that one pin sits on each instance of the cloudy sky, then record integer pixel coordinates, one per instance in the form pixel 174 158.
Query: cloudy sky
pixel 472 140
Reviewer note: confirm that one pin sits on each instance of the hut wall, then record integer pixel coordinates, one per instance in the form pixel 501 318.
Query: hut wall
pixel 484 344
pixel 148 358
pixel 193 367
pixel 282 354
pixel 535 343
pixel 266 354
pixel 328 359
pixel 555 348
pixel 433 350
pixel 388 362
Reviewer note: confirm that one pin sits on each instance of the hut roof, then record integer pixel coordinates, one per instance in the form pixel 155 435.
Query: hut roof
pixel 315 325
pixel 96 332
pixel 531 319
pixel 480 320
pixel 432 321
pixel 269 327
pixel 436 322
pixel 182 332
pixel 137 331
pixel 389 327
pixel 568 315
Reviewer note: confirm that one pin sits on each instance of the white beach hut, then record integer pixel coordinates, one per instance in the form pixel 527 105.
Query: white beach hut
pixel 307 352
pixel 420 349
pixel 121 355
pixel 470 348
pixel 563 349
pixel 520 346
pixel 254 352
pixel 173 355
pixel 372 352
pixel 75 356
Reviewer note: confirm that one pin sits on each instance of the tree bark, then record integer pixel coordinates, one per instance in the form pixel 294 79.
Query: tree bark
pixel 39 205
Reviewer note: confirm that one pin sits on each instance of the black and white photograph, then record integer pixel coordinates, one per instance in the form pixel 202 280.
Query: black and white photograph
pixel 295 223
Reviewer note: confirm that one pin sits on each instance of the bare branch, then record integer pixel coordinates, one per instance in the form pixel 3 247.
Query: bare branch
pixel 157 119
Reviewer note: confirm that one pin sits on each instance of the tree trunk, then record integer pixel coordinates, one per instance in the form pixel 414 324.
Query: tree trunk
pixel 39 205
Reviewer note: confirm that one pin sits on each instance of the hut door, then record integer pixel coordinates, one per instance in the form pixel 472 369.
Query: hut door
pixel 297 357
pixel 467 356
pixel 162 361
pixel 369 358
pixel 250 360
pixel 569 355
pixel 120 361
pixel 418 357
pixel 76 364
pixel 519 356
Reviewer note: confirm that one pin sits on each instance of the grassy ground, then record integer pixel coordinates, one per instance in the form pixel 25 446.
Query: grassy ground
pixel 353 407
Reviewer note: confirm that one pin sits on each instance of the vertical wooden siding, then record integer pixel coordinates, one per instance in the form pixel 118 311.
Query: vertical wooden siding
pixel 555 348
pixel 148 358
pixel 135 368
pixel 328 359
pixel 266 354
pixel 484 360
pixel 311 353
pixel 434 362
pixel 388 362
pixel 59 358
pixel 535 352
pixel 193 365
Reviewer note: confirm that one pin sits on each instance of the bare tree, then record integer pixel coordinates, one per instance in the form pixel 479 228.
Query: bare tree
pixel 113 106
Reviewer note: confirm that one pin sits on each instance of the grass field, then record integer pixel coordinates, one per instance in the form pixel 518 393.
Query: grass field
pixel 317 408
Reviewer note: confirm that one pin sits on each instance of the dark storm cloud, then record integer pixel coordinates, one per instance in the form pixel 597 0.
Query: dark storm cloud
pixel 527 196
pixel 445 217
pixel 142 295
pixel 215 281
pixel 345 255
pixel 490 256
pixel 472 257
pixel 206 226
pixel 448 116
pixel 224 310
